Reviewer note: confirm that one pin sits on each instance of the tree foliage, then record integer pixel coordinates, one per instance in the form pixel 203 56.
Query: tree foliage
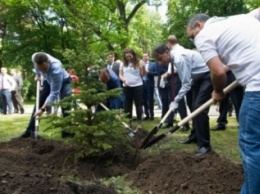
pixel 180 11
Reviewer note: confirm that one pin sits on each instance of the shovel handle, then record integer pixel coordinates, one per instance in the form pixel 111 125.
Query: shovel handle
pixel 165 117
pixel 125 125
pixel 206 104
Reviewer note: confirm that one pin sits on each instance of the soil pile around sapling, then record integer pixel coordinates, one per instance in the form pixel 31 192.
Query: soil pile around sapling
pixel 184 173
pixel 45 166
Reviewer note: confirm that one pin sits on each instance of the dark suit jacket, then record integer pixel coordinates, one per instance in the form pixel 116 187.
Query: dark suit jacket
pixel 152 71
pixel 115 68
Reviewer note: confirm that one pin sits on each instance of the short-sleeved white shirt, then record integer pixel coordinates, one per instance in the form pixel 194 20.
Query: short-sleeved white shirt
pixel 236 40
pixel 132 75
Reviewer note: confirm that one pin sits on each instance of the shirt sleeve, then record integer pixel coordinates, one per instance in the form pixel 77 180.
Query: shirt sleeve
pixel 12 83
pixel 184 72
pixel 255 13
pixel 56 81
pixel 206 47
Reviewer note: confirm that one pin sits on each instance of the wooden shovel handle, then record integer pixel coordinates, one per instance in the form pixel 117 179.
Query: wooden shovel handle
pixel 206 105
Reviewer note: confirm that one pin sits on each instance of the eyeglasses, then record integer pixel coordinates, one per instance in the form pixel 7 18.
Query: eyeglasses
pixel 191 38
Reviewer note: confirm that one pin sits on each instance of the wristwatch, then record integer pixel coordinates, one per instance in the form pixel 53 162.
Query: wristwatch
pixel 42 109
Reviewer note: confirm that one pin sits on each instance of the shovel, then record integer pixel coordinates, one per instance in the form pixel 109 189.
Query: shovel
pixel 37 106
pixel 132 132
pixel 185 120
pixel 155 129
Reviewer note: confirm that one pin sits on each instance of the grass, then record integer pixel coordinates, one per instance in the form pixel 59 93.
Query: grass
pixel 225 143
pixel 15 124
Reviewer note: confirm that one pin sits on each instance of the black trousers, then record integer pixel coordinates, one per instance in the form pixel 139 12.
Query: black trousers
pixel 164 95
pixel 201 93
pixel 145 99
pixel 148 99
pixel 133 94
pixel 182 110
pixel 236 96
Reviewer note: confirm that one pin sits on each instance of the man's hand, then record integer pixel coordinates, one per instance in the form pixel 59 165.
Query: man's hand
pixel 37 77
pixel 164 76
pixel 217 95
pixel 38 113
pixel 174 105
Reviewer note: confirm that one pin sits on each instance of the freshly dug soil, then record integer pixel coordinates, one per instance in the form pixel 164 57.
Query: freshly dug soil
pixel 45 166
pixel 183 173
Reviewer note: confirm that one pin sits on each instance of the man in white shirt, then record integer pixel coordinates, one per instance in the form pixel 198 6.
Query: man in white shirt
pixel 192 72
pixel 235 42
pixel 7 84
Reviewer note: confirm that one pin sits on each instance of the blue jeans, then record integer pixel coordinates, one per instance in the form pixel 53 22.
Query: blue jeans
pixel 6 101
pixel 114 103
pixel 64 92
pixel 249 142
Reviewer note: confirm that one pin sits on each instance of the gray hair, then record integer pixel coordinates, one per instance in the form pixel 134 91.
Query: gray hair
pixel 202 17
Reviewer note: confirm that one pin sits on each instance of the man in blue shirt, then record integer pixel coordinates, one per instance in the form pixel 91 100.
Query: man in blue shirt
pixel 56 84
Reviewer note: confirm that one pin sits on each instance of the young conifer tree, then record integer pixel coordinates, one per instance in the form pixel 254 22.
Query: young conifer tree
pixel 97 132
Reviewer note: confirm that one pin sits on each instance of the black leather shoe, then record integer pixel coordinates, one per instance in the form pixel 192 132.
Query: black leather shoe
pixel 185 128
pixel 203 150
pixel 219 127
pixel 187 141
pixel 167 125
pixel 146 118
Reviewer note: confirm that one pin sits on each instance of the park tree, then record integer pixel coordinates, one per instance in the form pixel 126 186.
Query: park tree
pixel 180 11
pixel 80 33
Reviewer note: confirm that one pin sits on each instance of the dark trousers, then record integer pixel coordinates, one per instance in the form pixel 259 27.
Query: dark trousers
pixel 145 99
pixel 64 92
pixel 17 100
pixel 164 95
pixel 236 96
pixel 201 93
pixel 182 110
pixel 148 99
pixel 133 94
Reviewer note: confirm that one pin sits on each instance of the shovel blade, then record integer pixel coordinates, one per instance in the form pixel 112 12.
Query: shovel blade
pixel 154 141
pixel 148 137
pixel 158 138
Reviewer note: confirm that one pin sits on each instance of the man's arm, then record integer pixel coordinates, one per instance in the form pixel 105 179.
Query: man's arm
pixel 218 78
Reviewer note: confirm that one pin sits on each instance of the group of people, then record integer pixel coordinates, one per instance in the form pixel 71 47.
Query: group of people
pixel 227 49
pixel 11 100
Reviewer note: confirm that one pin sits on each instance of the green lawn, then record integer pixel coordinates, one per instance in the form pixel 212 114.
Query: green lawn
pixel 13 125
pixel 223 142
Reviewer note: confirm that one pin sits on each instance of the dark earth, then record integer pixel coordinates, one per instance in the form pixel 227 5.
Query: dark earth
pixel 46 167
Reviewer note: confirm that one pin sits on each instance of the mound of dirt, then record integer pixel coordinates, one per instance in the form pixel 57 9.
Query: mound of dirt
pixel 44 166
pixel 138 138
pixel 183 173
